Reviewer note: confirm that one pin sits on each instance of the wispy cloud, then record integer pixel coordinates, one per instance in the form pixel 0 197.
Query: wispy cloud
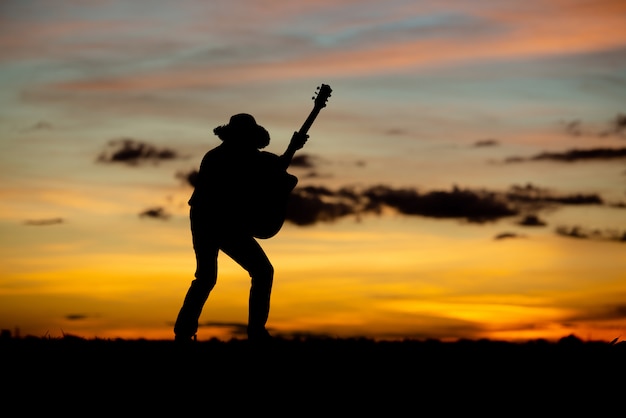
pixel 616 127
pixel 44 222
pixel 574 155
pixel 486 143
pixel 155 213
pixel 76 317
pixel 606 234
pixel 404 38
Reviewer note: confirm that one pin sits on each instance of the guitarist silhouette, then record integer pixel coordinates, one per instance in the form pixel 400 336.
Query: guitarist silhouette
pixel 240 194
pixel 273 194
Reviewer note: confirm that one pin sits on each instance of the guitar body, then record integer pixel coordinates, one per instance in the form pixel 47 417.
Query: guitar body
pixel 271 208
pixel 270 203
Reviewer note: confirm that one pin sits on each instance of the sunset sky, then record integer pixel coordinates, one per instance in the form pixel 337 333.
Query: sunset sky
pixel 466 179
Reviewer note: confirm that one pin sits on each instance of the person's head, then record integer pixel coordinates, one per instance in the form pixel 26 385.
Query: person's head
pixel 243 129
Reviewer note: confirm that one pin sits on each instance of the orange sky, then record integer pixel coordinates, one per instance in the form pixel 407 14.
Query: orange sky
pixel 510 103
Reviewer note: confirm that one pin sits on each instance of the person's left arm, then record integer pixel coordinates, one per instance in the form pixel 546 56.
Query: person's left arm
pixel 297 142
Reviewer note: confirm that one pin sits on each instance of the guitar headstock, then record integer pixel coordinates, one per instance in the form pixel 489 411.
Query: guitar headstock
pixel 322 95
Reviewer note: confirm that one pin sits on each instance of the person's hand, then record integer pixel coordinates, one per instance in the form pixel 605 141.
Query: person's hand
pixel 298 140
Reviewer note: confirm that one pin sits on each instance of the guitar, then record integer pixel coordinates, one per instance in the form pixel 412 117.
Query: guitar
pixel 271 212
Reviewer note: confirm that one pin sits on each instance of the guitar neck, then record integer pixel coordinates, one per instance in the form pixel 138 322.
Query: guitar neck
pixel 309 121
pixel 320 102
pixel 288 155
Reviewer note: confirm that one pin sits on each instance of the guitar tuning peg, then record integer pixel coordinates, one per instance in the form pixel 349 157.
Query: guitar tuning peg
pixel 313 97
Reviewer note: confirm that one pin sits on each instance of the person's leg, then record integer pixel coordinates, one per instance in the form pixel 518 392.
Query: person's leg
pixel 247 252
pixel 206 251
pixel 186 324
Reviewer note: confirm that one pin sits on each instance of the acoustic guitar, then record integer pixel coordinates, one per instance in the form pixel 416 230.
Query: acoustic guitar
pixel 271 211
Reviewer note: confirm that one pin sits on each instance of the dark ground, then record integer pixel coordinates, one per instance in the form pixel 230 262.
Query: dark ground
pixel 313 377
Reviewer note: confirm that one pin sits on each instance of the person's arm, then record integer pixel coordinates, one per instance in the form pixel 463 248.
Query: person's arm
pixel 297 142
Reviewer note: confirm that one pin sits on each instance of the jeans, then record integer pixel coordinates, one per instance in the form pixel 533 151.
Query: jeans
pixel 210 236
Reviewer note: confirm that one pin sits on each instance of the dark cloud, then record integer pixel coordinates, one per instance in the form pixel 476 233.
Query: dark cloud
pixel 236 328
pixel 617 126
pixel 156 213
pixel 133 152
pixel 312 204
pixel 473 206
pixel 314 175
pixel 486 143
pixel 302 160
pixel 601 313
pixel 188 177
pixel 577 231
pixel 309 205
pixel 75 317
pixel 44 222
pixel 395 132
pixel 39 126
pixel 531 196
pixel 574 155
pixel 573 127
pixel 507 235
pixel 531 220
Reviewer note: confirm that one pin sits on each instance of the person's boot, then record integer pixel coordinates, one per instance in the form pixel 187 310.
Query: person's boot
pixel 186 325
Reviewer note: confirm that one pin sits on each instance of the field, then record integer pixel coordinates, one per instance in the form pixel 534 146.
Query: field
pixel 313 377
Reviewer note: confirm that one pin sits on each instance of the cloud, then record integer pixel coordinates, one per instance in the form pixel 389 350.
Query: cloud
pixel 155 213
pixel 535 197
pixel 573 127
pixel 313 204
pixel 44 222
pixel 473 206
pixel 617 126
pixel 507 235
pixel 75 317
pixel 531 220
pixel 577 231
pixel 486 143
pixel 188 177
pixel 403 49
pixel 302 160
pixel 237 328
pixel 574 155
pixel 310 204
pixel 39 126
pixel 133 152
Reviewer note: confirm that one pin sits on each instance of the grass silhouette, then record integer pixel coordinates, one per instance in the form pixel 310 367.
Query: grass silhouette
pixel 313 376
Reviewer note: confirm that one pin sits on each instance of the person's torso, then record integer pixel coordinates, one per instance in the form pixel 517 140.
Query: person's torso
pixel 230 182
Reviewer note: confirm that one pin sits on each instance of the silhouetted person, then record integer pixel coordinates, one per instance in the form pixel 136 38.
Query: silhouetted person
pixel 231 185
